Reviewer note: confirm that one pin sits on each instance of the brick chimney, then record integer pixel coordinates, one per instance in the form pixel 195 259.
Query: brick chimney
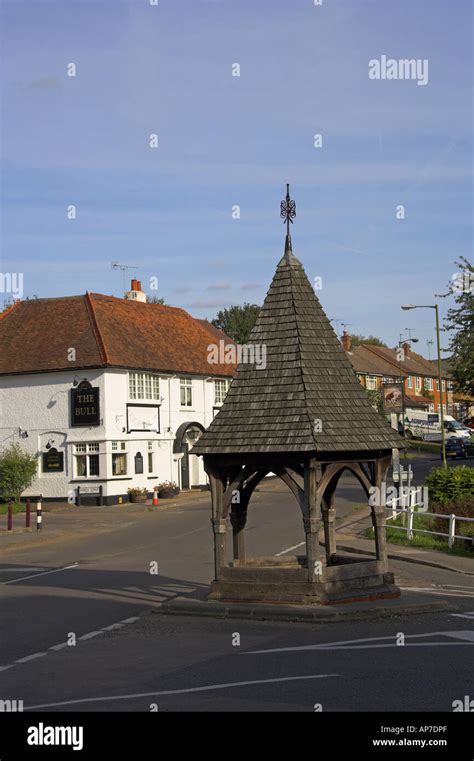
pixel 346 341
pixel 406 349
pixel 135 293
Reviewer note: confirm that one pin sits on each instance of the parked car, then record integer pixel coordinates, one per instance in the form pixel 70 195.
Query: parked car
pixel 469 422
pixel 459 448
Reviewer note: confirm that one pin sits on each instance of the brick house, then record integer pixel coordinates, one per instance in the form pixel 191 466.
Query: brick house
pixel 375 365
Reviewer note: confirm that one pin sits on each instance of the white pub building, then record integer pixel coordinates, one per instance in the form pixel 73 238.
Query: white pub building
pixel 108 393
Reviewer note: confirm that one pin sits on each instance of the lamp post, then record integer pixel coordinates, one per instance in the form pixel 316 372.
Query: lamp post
pixel 440 384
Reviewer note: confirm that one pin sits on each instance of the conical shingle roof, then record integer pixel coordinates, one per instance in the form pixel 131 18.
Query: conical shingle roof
pixel 306 397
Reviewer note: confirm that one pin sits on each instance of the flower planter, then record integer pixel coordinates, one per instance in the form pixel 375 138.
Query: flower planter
pixel 167 493
pixel 140 498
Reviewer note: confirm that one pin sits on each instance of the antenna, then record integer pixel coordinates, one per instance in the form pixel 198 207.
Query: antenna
pixel 123 267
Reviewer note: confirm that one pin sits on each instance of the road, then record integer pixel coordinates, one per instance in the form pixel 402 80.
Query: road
pixel 81 622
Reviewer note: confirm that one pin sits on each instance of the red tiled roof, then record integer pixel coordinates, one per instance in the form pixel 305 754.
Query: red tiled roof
pixel 37 335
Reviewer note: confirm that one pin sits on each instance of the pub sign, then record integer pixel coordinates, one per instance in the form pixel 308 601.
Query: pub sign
pixel 85 405
pixel 53 461
pixel 392 397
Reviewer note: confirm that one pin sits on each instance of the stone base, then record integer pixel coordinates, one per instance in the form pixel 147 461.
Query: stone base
pixel 285 582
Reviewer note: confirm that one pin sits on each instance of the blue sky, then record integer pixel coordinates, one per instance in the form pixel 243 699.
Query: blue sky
pixel 226 140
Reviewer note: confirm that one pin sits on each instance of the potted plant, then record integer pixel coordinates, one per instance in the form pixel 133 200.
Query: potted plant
pixel 167 489
pixel 137 495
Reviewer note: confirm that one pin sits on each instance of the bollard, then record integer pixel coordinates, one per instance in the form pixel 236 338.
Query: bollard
pixel 38 513
pixel 28 515
pixel 155 497
pixel 10 517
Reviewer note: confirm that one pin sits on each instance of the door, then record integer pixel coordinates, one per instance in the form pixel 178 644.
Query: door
pixel 185 467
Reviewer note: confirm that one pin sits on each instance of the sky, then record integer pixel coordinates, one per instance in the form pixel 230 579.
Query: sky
pixel 166 69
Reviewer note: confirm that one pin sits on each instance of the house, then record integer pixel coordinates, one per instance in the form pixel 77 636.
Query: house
pixel 376 365
pixel 110 393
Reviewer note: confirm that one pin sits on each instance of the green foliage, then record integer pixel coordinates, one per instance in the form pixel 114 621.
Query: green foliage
pixel 154 300
pixel 237 321
pixel 460 320
pixel 17 471
pixel 376 401
pixel 448 486
pixel 357 340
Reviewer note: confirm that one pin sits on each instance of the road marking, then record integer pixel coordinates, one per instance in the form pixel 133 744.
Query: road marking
pixel 367 643
pixel 90 635
pixel 447 593
pixel 62 645
pixel 206 688
pixel 19 570
pixel 288 549
pixel 470 616
pixel 30 657
pixel 469 635
pixel 35 575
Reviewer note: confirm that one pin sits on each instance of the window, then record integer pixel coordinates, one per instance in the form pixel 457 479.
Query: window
pixel 116 445
pixel 371 382
pixel 429 384
pixel 143 386
pixel 220 390
pixel 410 381
pixel 443 385
pixel 431 407
pixel 119 464
pixel 150 462
pixel 418 383
pixel 86 460
pixel 138 462
pixel 186 392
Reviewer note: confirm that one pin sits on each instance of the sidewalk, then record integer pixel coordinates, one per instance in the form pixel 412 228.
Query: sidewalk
pixel 62 520
pixel 349 537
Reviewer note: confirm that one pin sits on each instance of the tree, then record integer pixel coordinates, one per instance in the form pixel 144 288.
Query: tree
pixel 154 300
pixel 375 397
pixel 17 471
pixel 357 340
pixel 237 321
pixel 460 320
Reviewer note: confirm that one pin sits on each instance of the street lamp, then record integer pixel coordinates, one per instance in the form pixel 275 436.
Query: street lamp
pixel 438 346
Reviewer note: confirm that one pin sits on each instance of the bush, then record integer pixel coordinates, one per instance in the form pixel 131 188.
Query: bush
pixel 449 486
pixel 17 471
pixel 462 509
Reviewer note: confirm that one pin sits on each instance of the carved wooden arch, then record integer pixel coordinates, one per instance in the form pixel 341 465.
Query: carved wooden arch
pixel 337 468
pixel 245 482
pixel 287 475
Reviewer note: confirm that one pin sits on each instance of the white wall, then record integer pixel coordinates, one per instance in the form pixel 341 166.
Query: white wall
pixel 40 404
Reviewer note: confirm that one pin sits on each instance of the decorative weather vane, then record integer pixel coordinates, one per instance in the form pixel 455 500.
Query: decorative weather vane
pixel 288 210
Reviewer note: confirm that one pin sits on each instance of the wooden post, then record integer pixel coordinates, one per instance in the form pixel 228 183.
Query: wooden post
pixel 312 521
pixel 379 472
pixel 238 519
pixel 218 523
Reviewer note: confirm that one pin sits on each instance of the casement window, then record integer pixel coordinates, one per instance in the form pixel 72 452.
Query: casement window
pixel 186 392
pixel 410 381
pixel 418 383
pixel 429 384
pixel 116 445
pixel 119 464
pixel 143 386
pixel 431 407
pixel 86 460
pixel 443 385
pixel 221 388
pixel 371 382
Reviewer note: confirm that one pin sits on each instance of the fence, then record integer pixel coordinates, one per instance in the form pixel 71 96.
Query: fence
pixel 410 530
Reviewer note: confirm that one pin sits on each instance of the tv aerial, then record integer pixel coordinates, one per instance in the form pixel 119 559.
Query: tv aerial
pixel 124 268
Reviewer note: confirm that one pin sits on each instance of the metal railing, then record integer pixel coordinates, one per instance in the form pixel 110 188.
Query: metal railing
pixel 410 530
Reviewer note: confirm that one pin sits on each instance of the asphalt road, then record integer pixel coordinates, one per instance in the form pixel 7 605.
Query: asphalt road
pixel 98 594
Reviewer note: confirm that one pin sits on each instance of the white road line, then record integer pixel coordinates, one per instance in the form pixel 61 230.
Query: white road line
pixel 288 549
pixel 30 657
pixel 111 627
pixel 90 635
pixel 19 570
pixel 35 575
pixel 4 668
pixel 206 688
pixel 58 647
pixel 130 620
pixel 439 592
pixel 470 616
pixel 360 644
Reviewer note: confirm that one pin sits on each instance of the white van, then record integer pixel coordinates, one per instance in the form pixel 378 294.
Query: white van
pixel 423 425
